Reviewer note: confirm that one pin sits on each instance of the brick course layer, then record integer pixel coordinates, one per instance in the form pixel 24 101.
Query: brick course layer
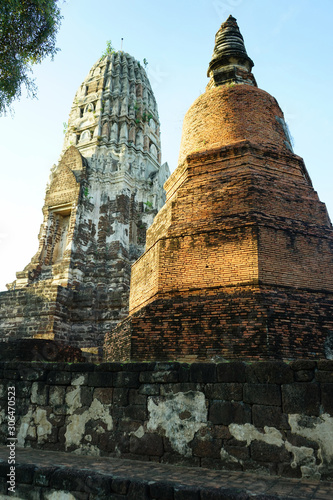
pixel 249 322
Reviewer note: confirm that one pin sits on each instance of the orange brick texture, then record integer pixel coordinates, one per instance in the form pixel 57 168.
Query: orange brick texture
pixel 239 262
pixel 228 114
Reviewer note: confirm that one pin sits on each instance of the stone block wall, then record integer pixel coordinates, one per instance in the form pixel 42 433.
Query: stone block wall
pixel 270 417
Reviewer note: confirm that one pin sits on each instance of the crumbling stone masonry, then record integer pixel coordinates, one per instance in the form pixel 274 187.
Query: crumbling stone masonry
pixel 239 261
pixel 100 200
pixel 269 417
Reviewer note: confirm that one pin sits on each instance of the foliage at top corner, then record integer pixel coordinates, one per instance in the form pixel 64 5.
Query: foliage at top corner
pixel 28 31
pixel 109 49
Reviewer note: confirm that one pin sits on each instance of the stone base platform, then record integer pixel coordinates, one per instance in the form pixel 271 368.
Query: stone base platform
pixel 47 475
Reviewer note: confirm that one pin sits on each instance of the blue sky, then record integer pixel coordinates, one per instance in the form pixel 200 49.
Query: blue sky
pixel 290 42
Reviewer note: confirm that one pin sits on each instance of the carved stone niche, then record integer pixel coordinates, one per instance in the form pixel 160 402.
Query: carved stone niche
pixel 131 135
pixel 61 201
pixel 105 129
pixel 62 231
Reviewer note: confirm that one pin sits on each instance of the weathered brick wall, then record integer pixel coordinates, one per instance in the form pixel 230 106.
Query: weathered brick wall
pixel 294 257
pixel 40 349
pixel 241 213
pixel 244 177
pixel 94 311
pixel 209 260
pixel 249 323
pixel 38 312
pixel 194 262
pixel 269 417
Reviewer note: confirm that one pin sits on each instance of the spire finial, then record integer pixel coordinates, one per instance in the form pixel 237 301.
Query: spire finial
pixel 230 62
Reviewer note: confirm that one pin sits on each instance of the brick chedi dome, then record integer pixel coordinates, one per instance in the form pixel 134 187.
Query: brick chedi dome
pixel 239 261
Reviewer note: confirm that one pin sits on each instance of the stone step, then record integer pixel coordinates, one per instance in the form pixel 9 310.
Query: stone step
pixel 50 475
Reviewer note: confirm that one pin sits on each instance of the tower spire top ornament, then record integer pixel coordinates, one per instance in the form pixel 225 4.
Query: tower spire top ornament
pixel 230 62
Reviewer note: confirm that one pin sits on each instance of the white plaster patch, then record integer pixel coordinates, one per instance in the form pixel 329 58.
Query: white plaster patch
pixel 304 457
pixel 34 423
pixel 80 380
pixel 318 429
pixel 59 495
pixel 181 415
pixel 139 433
pixel 44 427
pixel 249 433
pixel 77 422
pixel 73 399
pixel 32 432
pixel 25 423
pixel 34 392
pixel 75 429
pixel 2 416
pixel 226 457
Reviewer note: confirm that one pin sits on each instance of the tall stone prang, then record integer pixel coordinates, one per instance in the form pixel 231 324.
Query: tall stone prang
pixel 239 261
pixel 100 200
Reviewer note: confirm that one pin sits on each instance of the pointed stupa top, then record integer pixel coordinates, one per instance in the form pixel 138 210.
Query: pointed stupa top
pixel 230 62
pixel 115 108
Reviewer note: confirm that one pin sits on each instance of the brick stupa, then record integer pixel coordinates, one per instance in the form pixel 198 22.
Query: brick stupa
pixel 238 263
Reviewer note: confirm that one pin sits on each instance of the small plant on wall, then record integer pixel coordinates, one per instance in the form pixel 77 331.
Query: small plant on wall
pixel 109 49
pixel 148 204
pixel 86 193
